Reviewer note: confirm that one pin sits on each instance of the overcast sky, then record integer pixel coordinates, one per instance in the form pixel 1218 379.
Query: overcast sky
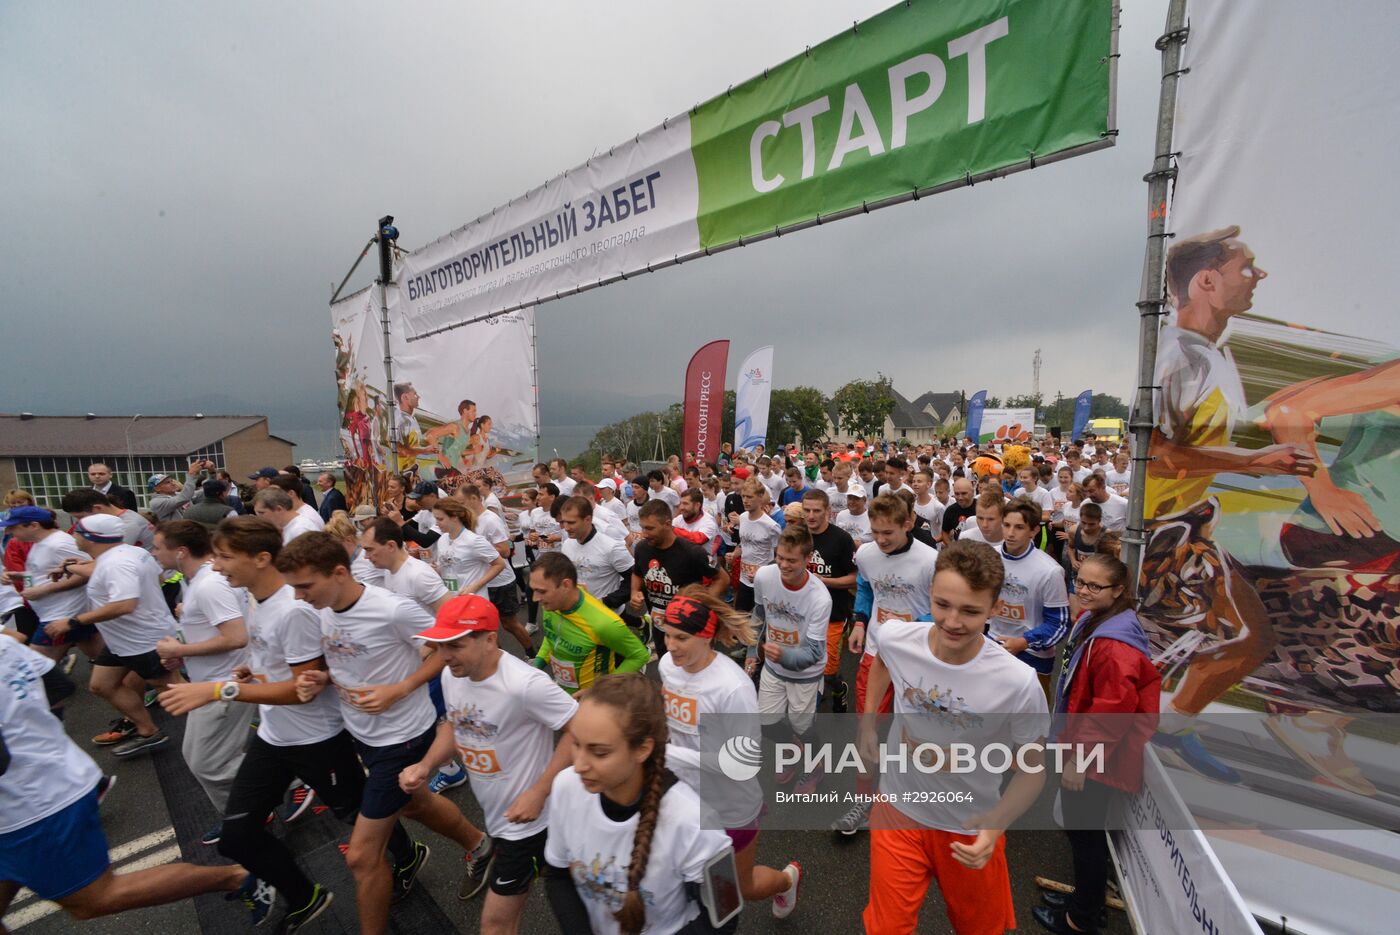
pixel 184 182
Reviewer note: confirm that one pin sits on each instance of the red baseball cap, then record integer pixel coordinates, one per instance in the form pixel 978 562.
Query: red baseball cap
pixel 467 613
pixel 742 473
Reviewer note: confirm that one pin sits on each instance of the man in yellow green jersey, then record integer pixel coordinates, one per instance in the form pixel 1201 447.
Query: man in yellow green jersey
pixel 583 639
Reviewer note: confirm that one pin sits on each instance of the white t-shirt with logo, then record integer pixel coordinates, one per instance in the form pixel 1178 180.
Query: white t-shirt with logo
pixel 545 525
pixel 721 688
pixel 855 526
pixel 705 525
pixel 121 573
pixel 417 581
pixel 671 498
pixel 793 617
pixel 492 528
pixel 994 698
pixel 1118 478
pixel 899 584
pixel 601 561
pixel 616 507
pixel 566 486
pixel 634 516
pixel 48 772
pixel 774 483
pixel 283 632
pixel 932 512
pixel 45 556
pixel 365 571
pixel 1033 582
pixel 758 542
pixel 1040 497
pixel 371 643
pixel 463 560
pixel 597 852
pixel 504 727
pixel 837 498
pixel 209 603
pixel 1115 512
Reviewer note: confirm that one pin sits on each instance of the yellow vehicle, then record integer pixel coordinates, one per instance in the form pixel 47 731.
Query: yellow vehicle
pixel 1108 430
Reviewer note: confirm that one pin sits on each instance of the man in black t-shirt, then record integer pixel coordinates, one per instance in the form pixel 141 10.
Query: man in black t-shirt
pixel 833 560
pixel 665 563
pixel 960 509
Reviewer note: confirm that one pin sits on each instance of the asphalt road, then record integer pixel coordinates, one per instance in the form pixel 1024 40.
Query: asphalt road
pixel 157 812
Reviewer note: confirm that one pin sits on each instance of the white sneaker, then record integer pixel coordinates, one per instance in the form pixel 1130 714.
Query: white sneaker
pixel 786 901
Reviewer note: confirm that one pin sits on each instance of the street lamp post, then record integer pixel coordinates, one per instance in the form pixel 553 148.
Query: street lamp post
pixel 129 426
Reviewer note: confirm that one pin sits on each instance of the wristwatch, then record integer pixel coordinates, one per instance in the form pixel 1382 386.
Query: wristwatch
pixel 228 691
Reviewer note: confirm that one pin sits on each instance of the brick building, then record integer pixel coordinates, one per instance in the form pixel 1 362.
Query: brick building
pixel 49 455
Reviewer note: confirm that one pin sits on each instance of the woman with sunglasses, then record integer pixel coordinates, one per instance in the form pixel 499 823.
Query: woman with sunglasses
pixel 1108 694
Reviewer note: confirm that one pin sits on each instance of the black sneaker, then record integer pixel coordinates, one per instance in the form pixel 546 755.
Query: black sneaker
pixel 320 901
pixel 213 835
pixel 137 744
pixel 104 786
pixel 257 897
pixel 297 804
pixel 405 876
pixel 479 864
pixel 1062 901
pixel 838 699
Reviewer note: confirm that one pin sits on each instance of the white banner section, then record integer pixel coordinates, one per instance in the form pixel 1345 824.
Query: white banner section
pixel 613 214
pixel 751 399
pixel 1171 878
pixel 463 401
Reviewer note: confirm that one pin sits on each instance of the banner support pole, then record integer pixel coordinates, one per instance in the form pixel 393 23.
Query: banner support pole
pixel 535 379
pixel 385 235
pixel 1152 303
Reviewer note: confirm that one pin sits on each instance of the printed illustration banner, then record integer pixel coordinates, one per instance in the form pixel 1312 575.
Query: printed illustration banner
pixel 704 400
pixel 752 398
pixel 1006 426
pixel 465 400
pixel 919 96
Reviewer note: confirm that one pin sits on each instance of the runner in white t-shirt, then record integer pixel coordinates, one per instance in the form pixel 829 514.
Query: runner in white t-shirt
pixel 1033 616
pixel 951 685
pixel 404 575
pixel 502 714
pixel 275 505
pixel 926 504
pixel 596 807
pixel 1115 508
pixel 601 560
pixel 693 518
pixel 213 641
pixel 126 603
pixel 855 519
pixel 382 682
pixel 758 536
pixel 545 532
pixel 658 489
pixel 51 598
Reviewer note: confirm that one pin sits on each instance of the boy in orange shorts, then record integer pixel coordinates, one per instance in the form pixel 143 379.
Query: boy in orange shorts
pixel 952 685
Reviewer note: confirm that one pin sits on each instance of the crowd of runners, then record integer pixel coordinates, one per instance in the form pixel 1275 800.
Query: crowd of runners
pixel 356 659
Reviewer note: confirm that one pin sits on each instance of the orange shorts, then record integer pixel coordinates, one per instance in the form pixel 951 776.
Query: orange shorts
pixel 905 858
pixel 862 676
pixel 834 633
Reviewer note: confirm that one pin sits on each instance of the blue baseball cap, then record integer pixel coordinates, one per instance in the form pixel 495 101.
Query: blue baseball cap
pixel 155 479
pixel 27 514
pixel 263 472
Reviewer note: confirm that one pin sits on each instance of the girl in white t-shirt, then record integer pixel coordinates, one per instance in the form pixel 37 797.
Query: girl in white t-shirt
pixel 625 843
pixel 698 681
pixel 466 561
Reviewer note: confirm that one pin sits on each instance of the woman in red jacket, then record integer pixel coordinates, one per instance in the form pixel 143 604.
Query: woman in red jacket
pixel 1108 693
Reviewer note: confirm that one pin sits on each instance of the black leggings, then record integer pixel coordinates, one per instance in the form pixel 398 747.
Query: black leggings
pixel 1086 817
pixel 332 769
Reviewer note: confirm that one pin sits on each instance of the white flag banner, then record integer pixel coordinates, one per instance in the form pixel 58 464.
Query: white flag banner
pixel 464 401
pixel 751 399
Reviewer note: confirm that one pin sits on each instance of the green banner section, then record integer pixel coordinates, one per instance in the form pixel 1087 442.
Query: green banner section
pixel 923 94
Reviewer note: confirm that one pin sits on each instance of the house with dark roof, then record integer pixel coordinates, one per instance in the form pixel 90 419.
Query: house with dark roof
pixel 920 420
pixel 49 455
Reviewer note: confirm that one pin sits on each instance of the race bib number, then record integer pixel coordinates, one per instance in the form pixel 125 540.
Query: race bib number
pixel 681 711
pixel 565 673
pixel 452 583
pixel 1016 612
pixel 784 637
pixel 881 615
pixel 481 762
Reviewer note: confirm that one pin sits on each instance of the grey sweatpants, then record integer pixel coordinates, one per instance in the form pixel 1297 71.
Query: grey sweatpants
pixel 215 738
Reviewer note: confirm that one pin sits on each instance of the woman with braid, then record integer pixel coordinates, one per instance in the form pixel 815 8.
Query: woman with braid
pixel 626 849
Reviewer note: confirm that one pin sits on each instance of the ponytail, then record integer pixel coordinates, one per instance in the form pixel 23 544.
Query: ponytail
pixel 638 700
pixel 733 628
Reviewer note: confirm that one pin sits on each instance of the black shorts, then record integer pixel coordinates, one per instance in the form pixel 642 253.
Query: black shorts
pixel 383 798
pixel 331 767
pixel 147 664
pixel 507 601
pixel 517 863
pixel 743 597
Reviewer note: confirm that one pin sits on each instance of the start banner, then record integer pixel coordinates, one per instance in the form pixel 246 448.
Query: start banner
pixel 920 98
